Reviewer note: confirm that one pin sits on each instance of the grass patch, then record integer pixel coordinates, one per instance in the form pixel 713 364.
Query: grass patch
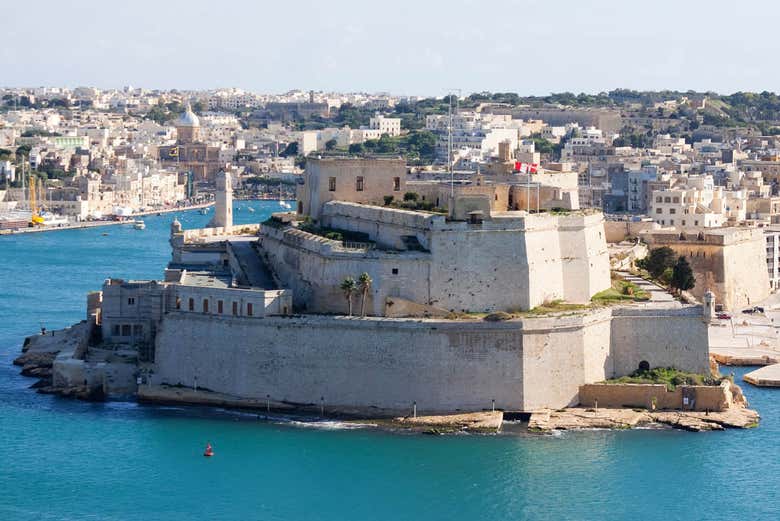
pixel 668 376
pixel 621 291
pixel 555 306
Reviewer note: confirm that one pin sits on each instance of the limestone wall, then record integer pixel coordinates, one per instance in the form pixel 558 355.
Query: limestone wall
pixel 367 365
pixel 559 352
pixel 731 263
pixel 699 397
pixel 662 337
pixel 313 268
pixel 617 231
pixel 376 364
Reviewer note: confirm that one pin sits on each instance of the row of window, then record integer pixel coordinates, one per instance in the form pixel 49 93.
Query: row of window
pixel 662 222
pixel 235 307
pixel 360 184
pixel 135 330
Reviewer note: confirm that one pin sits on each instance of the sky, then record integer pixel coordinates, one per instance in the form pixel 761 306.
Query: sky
pixel 420 47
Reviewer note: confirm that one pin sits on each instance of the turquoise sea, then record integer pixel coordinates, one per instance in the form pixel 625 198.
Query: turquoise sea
pixel 70 460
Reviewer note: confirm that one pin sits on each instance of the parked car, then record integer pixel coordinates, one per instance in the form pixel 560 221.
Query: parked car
pixel 754 309
pixel 723 316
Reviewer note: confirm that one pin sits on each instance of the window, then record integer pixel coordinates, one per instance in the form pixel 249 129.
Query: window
pixel 658 210
pixel 331 184
pixel 115 330
pixel 138 330
pixel 672 211
pixel 395 271
pixel 671 222
pixel 359 183
pixel 659 199
pixel 178 303
pixel 219 307
pixel 249 309
pixel 396 184
pixel 131 301
pixel 676 200
pixel 683 223
pixel 235 309
pixel 205 305
pixel 696 223
pixel 667 199
pixel 192 304
pixel 125 329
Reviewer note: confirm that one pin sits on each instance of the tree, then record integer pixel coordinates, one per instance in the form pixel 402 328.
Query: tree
pixel 682 275
pixel 331 144
pixel 356 148
pixel 658 261
pixel 411 196
pixel 349 287
pixel 364 282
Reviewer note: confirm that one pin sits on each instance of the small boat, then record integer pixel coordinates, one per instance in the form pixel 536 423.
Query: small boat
pixel 251 209
pixel 204 211
pixel 140 225
pixel 209 451
pixel 104 234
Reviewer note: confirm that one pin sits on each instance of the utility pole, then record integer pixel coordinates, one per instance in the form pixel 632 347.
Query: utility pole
pixel 449 149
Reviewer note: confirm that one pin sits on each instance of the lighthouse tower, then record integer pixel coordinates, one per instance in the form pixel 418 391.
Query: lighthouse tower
pixel 223 210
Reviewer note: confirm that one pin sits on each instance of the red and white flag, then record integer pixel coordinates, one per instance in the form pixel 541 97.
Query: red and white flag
pixel 526 168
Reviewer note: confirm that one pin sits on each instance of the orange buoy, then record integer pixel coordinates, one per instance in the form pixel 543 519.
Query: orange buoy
pixel 209 451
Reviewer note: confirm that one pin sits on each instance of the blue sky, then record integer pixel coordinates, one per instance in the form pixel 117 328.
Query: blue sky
pixel 405 47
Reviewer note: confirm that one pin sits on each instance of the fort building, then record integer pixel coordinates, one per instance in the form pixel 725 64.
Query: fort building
pixel 258 311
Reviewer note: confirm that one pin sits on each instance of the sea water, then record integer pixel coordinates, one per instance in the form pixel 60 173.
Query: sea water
pixel 62 459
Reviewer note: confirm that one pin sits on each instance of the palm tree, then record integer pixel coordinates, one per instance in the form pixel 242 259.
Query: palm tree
pixel 364 282
pixel 349 286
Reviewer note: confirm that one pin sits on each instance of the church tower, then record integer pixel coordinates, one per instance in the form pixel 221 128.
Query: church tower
pixel 223 209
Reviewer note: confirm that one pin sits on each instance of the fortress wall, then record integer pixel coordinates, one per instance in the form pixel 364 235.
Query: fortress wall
pixel 479 271
pixel 377 366
pixel 584 256
pixel 385 226
pixel 663 338
pixel 315 278
pixel 731 264
pixel 368 365
pixel 559 353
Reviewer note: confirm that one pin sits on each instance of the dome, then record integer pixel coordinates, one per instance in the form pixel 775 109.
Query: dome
pixel 188 118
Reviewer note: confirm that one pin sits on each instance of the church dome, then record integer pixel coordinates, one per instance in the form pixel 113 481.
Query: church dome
pixel 188 118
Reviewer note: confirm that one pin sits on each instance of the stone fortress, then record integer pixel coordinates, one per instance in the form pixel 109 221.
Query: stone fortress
pixel 257 312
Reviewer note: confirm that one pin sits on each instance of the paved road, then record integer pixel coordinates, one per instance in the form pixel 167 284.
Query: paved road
pixel 257 273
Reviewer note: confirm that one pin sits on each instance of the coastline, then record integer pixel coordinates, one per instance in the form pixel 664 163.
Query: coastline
pixel 98 224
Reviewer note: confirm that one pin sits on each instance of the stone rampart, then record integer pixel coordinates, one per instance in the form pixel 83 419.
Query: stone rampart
pixel 685 397
pixel 380 365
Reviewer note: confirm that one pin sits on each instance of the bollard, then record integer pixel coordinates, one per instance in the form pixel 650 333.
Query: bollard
pixel 493 405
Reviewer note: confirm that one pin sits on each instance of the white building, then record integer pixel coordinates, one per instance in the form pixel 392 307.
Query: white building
pixel 389 126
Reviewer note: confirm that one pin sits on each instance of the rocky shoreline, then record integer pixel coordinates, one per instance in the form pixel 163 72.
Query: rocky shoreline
pixel 575 418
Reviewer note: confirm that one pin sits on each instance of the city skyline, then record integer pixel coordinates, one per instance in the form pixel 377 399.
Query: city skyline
pixel 520 46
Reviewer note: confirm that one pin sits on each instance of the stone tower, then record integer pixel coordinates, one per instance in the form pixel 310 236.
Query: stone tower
pixel 223 209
